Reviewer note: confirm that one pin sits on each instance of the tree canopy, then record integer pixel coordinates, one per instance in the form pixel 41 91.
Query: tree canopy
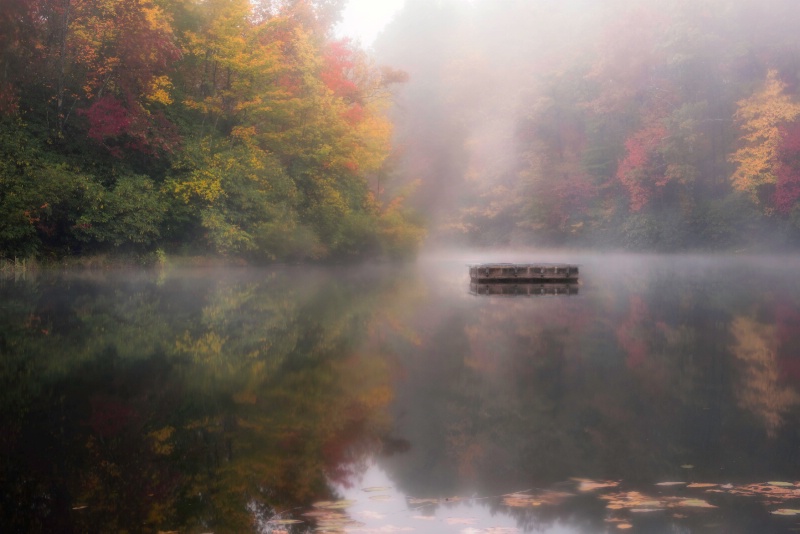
pixel 228 126
pixel 629 124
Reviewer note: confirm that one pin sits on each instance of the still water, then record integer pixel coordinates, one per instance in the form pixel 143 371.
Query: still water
pixel 661 396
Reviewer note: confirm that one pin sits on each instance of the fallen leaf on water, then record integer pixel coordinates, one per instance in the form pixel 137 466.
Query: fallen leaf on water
pixel 786 511
pixel 589 485
pixel 338 524
pixel 781 484
pixel 687 466
pixel 644 510
pixel 517 495
pixel 522 500
pixel 412 500
pixel 670 483
pixel 318 513
pixel 373 489
pixel 701 485
pixel 694 503
pixel 334 505
pixel 82 507
pixel 284 521
pixel 624 526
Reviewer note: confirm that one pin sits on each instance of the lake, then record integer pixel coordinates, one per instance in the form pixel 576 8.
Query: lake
pixel 661 395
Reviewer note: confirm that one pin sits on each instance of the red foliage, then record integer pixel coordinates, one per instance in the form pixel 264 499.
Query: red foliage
pixel 339 61
pixel 568 198
pixel 787 321
pixel 343 452
pixel 117 125
pixel 107 118
pixel 110 417
pixel 8 99
pixel 787 187
pixel 635 172
pixel 354 114
pixel 629 332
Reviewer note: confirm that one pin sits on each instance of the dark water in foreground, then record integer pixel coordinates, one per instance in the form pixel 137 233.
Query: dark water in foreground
pixel 663 397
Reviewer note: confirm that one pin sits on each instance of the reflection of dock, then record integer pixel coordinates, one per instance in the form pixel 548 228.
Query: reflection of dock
pixel 524 289
pixel 527 272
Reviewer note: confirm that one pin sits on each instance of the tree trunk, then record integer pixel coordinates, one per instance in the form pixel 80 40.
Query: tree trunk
pixel 62 59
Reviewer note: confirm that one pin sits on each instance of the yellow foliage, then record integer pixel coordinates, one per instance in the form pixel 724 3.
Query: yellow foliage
pixel 377 397
pixel 160 438
pixel 204 183
pixel 156 18
pixel 760 117
pixel 761 393
pixel 159 90
pixel 374 133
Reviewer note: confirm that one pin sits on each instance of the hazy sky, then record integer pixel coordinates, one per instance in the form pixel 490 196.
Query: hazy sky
pixel 363 20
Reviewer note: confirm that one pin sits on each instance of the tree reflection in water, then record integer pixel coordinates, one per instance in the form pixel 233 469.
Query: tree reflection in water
pixel 220 401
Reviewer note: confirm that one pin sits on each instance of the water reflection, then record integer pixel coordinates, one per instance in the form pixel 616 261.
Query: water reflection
pixel 522 289
pixel 205 401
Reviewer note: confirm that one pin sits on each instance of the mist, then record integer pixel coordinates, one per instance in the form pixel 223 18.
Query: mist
pixel 660 126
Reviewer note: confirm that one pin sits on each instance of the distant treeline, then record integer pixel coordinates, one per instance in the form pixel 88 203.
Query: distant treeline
pixel 664 125
pixel 226 126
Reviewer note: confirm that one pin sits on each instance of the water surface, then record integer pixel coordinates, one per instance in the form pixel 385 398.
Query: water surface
pixel 661 396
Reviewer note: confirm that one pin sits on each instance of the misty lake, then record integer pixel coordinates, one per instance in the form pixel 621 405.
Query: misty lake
pixel 661 396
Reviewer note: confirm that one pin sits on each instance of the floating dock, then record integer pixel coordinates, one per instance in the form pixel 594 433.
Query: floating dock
pixel 523 272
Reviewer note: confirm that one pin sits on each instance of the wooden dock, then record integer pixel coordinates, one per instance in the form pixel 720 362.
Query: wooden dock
pixel 523 272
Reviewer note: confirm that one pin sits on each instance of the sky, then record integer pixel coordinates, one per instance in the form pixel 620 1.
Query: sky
pixel 363 20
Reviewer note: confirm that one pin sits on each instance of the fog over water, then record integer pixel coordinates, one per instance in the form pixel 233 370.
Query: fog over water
pixel 663 394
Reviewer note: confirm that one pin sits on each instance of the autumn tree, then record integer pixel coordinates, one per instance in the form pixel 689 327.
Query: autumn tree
pixel 787 175
pixel 760 117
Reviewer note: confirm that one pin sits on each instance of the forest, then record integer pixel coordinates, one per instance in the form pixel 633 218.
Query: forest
pixel 640 125
pixel 250 130
pixel 223 127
